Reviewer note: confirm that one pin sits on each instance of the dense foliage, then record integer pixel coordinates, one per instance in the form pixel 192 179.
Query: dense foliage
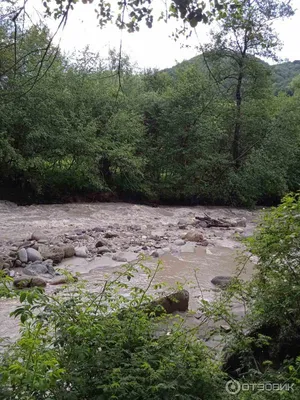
pixel 263 346
pixel 88 127
pixel 84 345
pixel 209 131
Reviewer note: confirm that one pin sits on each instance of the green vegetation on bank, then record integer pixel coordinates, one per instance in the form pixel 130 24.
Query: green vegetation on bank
pixel 91 128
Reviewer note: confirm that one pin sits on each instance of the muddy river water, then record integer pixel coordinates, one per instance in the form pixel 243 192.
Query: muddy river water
pixel 138 231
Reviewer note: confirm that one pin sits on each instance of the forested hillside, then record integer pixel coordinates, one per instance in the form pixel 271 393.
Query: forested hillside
pixel 94 128
pixel 282 73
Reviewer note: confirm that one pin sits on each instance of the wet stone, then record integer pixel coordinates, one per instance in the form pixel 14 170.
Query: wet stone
pixel 33 254
pixel 22 255
pixel 81 252
pixel 35 269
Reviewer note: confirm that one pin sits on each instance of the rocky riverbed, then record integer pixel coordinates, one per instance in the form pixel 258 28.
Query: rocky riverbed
pixel 96 239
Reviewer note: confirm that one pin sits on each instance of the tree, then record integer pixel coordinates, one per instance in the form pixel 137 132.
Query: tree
pixel 245 32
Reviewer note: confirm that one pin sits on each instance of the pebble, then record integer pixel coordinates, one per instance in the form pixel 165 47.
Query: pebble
pixel 100 243
pixel 110 235
pixel 18 263
pixel 225 328
pixel 239 230
pixel 81 252
pixel 98 229
pixel 118 258
pixel 179 242
pixel 103 250
pixel 157 253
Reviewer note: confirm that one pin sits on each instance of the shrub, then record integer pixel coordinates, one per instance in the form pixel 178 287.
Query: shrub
pixel 81 346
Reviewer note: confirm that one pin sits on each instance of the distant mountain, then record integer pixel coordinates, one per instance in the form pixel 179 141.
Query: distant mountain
pixel 282 73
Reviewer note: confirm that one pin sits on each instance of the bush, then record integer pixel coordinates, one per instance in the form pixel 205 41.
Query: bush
pixel 83 347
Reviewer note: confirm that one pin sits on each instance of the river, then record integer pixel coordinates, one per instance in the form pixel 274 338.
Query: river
pixel 154 233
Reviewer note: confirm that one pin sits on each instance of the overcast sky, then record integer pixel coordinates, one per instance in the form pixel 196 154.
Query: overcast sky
pixel 153 47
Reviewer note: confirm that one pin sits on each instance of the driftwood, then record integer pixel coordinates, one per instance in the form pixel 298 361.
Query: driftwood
pixel 212 222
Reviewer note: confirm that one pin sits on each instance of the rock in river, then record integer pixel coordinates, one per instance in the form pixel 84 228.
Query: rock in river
pixel 81 252
pixel 103 250
pixel 33 255
pixel 179 242
pixel 25 282
pixel 36 269
pixel 56 254
pixel 69 251
pixel 101 243
pixel 62 279
pixel 110 235
pixel 38 236
pixel 22 255
pixel 222 281
pixel 194 236
pixel 178 301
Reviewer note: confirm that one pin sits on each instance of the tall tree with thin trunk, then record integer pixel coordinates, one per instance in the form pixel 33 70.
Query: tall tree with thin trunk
pixel 244 33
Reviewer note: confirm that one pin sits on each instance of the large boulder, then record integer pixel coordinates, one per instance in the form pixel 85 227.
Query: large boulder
pixel 222 281
pixel 56 254
pixel 33 255
pixel 35 269
pixel 178 301
pixel 37 235
pixel 23 282
pixel 69 251
pixel 193 236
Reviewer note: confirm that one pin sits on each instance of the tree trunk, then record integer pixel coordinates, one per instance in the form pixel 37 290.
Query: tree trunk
pixel 105 170
pixel 237 128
